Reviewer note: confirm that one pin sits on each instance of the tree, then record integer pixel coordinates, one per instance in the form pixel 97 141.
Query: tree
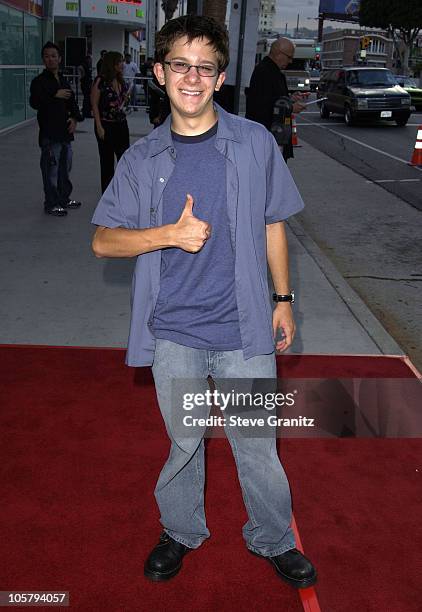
pixel 169 6
pixel 402 20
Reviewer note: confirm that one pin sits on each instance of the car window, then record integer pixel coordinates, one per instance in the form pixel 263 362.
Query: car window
pixel 408 82
pixel 371 78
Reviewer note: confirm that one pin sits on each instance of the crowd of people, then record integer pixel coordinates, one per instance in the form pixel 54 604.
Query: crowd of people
pixel 107 98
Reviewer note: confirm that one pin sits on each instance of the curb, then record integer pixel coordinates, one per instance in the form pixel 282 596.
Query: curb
pixel 379 335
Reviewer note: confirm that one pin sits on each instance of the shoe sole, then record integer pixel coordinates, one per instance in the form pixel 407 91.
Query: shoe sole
pixel 297 584
pixel 161 577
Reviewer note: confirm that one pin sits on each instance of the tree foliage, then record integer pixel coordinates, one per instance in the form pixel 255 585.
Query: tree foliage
pixel 404 17
pixel 403 20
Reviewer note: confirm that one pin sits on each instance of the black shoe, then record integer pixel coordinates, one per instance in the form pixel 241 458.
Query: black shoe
pixel 72 204
pixel 56 211
pixel 165 560
pixel 294 568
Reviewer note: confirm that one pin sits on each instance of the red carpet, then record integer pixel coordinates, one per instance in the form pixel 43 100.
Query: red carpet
pixel 82 444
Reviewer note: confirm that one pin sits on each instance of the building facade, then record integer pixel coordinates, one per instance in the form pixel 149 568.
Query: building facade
pixel 266 16
pixel 342 48
pixel 114 25
pixel 24 26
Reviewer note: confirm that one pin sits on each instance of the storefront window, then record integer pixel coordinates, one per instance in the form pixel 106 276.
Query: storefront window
pixel 12 96
pixel 33 40
pixel 11 40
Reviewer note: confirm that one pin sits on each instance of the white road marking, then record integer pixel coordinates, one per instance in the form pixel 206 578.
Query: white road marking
pixel 394 181
pixel 367 146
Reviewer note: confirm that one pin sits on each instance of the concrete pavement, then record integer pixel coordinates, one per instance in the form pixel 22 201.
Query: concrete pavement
pixel 56 292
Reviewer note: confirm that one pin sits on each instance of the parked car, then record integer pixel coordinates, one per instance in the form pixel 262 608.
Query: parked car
pixel 297 80
pixel 314 76
pixel 363 93
pixel 413 89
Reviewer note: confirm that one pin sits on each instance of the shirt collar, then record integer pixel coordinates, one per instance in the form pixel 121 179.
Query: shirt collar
pixel 228 129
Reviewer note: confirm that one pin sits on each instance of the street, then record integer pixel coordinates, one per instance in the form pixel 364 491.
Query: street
pixel 364 214
pixel 380 152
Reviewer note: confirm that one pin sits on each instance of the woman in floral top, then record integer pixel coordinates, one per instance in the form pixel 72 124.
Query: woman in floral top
pixel 109 96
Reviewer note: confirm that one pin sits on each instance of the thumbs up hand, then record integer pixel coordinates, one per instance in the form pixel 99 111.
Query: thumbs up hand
pixel 190 232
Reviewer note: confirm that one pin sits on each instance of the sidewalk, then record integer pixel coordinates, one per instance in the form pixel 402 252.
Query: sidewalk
pixel 56 292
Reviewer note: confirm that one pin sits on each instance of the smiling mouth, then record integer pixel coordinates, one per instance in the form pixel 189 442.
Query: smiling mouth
pixel 190 93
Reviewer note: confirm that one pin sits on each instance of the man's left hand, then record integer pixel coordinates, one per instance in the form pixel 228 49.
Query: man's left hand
pixel 71 125
pixel 283 321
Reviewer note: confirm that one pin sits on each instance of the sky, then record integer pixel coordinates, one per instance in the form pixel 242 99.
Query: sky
pixel 287 11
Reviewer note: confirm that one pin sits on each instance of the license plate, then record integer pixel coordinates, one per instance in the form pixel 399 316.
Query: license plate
pixel 386 113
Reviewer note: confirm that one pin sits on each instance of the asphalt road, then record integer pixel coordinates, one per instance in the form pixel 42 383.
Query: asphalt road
pixel 378 152
pixel 371 230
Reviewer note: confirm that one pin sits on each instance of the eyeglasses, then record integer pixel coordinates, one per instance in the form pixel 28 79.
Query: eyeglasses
pixel 291 57
pixel 183 68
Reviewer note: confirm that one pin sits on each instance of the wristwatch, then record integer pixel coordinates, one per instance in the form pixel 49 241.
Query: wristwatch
pixel 290 297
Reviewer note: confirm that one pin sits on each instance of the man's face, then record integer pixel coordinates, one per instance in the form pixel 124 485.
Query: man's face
pixel 51 59
pixel 284 56
pixel 128 59
pixel 190 94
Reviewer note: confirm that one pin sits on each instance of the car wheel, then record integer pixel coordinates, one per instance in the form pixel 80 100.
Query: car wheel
pixel 323 111
pixel 402 121
pixel 349 116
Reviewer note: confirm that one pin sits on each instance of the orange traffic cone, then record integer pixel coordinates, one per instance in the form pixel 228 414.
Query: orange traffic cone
pixel 417 151
pixel 295 141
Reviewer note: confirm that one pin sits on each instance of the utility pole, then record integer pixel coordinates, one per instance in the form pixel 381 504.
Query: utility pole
pixel 79 19
pixel 240 56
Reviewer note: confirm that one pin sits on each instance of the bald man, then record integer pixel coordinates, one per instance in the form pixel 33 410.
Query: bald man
pixel 268 84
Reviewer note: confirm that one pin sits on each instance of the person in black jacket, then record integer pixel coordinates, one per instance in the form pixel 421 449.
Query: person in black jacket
pixel 159 103
pixel 52 97
pixel 268 84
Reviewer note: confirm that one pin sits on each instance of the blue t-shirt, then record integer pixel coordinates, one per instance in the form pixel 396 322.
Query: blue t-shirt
pixel 196 304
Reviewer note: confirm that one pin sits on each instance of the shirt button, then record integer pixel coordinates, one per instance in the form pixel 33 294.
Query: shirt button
pixel 162 179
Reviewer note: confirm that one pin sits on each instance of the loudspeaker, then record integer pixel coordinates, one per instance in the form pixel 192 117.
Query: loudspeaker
pixel 75 50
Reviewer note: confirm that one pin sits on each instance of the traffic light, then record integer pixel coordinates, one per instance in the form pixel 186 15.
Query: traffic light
pixel 317 57
pixel 365 41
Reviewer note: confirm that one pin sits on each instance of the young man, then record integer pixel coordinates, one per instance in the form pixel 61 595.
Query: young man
pixel 53 98
pixel 200 202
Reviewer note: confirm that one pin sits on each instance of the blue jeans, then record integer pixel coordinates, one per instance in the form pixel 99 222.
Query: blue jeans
pixel 56 163
pixel 180 487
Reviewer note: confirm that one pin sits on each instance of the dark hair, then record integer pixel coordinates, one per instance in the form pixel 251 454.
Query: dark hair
pixel 103 52
pixel 108 67
pixel 193 27
pixel 50 45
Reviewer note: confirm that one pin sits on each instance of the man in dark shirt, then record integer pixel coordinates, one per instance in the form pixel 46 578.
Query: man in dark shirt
pixel 57 115
pixel 268 84
pixel 100 61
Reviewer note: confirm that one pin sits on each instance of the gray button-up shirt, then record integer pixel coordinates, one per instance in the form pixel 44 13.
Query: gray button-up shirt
pixel 260 191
